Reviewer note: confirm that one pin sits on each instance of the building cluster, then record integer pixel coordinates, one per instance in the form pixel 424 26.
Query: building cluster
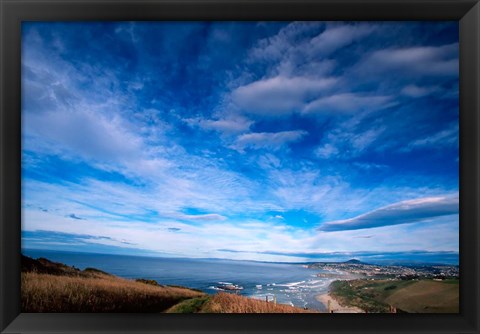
pixel 358 269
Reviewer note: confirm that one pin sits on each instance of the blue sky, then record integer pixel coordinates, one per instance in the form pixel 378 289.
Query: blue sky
pixel 272 141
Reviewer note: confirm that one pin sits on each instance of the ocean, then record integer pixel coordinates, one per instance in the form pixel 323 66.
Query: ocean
pixel 292 284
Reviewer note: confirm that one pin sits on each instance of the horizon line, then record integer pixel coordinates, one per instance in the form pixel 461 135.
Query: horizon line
pixel 353 257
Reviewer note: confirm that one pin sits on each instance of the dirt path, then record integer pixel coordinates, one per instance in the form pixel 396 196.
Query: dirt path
pixel 335 306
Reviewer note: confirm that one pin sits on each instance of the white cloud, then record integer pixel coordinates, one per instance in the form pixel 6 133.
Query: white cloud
pixel 276 47
pixel 279 95
pixel 346 143
pixel 338 36
pixel 303 47
pixel 224 125
pixel 422 60
pixel 267 140
pixel 418 91
pixel 326 151
pixel 202 217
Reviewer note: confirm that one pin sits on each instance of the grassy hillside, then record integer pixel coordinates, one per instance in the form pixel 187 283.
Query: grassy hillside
pixel 424 296
pixel 229 303
pixel 54 287
pixel 100 293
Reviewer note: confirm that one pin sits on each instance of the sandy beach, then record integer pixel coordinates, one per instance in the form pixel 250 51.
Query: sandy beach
pixel 335 306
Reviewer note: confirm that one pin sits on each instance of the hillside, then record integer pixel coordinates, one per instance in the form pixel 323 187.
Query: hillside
pixel 412 296
pixel 354 261
pixel 54 287
pixel 229 303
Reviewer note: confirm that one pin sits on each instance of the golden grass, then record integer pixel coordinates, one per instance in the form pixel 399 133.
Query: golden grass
pixel 229 303
pixel 101 293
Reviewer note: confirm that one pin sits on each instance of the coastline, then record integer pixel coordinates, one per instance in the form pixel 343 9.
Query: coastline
pixel 55 287
pixel 335 306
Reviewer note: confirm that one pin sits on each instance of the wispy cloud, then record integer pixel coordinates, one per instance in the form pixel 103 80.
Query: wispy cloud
pixel 272 140
pixel 437 141
pixel 345 143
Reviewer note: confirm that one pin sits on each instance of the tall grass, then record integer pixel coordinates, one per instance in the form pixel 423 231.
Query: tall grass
pixel 103 293
pixel 229 303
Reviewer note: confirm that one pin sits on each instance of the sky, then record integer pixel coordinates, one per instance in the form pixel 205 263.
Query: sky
pixel 268 141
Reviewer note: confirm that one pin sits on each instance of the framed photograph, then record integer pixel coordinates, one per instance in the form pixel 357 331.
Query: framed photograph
pixel 239 166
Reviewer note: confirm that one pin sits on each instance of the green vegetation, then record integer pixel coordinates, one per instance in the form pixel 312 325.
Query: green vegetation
pixel 193 305
pixel 147 281
pixel 390 287
pixel 182 287
pixel 96 271
pixel 415 296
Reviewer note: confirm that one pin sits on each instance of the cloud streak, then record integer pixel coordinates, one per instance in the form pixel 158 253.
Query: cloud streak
pixel 348 102
pixel 405 212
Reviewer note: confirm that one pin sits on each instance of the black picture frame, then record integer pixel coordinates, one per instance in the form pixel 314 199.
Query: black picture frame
pixel 14 12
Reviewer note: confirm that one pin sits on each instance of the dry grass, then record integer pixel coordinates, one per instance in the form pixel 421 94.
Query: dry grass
pixel 229 303
pixel 101 293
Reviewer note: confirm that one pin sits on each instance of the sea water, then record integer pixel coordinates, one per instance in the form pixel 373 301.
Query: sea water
pixel 293 284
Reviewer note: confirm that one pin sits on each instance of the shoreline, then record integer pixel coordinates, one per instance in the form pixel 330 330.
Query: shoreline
pixel 335 306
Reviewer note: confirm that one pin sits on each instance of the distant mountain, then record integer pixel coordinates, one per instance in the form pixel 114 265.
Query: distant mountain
pixel 354 261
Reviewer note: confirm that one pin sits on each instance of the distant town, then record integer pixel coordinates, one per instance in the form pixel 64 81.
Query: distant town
pixel 359 269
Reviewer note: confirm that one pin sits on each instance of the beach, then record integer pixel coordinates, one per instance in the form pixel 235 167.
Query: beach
pixel 335 306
